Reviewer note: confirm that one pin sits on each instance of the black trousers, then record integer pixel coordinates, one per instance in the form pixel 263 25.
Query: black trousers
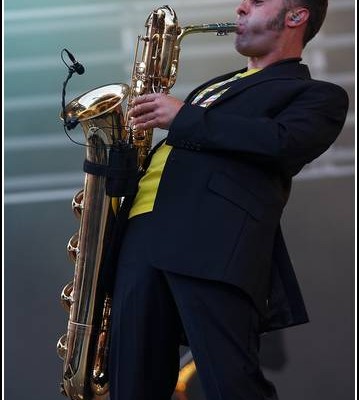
pixel 150 309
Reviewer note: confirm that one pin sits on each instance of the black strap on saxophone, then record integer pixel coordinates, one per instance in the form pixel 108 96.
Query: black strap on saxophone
pixel 121 173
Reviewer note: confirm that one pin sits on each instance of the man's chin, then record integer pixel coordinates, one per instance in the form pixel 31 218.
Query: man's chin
pixel 244 51
pixel 241 46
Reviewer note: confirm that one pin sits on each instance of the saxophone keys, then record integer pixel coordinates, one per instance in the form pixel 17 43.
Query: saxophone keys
pixel 78 203
pixel 62 346
pixel 66 296
pixel 72 247
pixel 62 389
pixel 141 67
pixel 139 87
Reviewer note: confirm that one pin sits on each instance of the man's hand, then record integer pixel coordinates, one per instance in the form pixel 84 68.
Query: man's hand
pixel 155 110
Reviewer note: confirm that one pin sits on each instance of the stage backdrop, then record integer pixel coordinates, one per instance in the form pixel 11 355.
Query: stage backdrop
pixel 43 169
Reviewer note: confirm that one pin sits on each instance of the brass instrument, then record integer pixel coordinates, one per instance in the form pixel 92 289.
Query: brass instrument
pixel 106 127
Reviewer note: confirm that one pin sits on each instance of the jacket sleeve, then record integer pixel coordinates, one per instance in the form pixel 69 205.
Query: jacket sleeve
pixel 298 134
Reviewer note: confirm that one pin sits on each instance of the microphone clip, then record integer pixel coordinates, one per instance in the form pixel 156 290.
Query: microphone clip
pixel 76 66
pixel 71 123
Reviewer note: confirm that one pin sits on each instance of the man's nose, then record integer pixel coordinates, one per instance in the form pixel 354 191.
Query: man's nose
pixel 242 7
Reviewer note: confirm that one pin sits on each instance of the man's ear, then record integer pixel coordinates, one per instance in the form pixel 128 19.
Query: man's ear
pixel 297 17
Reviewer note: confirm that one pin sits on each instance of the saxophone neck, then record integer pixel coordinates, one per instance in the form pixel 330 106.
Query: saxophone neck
pixel 221 29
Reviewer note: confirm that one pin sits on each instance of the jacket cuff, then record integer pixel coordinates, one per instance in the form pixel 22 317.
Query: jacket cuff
pixel 185 128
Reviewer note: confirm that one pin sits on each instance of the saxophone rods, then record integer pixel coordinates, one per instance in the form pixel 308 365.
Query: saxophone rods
pixel 84 348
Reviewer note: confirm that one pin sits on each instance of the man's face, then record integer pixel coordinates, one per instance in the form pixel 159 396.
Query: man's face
pixel 260 26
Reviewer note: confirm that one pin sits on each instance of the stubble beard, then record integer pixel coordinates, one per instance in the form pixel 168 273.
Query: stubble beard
pixel 276 24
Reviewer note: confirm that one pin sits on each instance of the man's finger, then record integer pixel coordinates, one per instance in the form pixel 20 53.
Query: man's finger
pixel 146 98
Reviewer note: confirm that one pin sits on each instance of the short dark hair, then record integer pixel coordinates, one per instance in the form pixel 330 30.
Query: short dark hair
pixel 317 12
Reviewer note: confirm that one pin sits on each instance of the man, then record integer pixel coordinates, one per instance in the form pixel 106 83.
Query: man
pixel 203 259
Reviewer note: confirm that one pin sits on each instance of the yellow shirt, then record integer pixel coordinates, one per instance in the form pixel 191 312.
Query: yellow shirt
pixel 148 185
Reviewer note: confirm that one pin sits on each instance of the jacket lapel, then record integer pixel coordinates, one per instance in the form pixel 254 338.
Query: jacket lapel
pixel 288 69
pixel 221 78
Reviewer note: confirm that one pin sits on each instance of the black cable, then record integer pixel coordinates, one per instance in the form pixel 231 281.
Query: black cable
pixel 74 121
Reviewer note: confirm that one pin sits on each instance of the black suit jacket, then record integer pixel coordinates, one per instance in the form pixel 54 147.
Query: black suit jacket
pixel 228 177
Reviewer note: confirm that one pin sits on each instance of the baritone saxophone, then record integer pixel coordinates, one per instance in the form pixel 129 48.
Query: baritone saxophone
pixel 112 151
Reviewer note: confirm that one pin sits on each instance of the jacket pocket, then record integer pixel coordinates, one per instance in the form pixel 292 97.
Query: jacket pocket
pixel 227 188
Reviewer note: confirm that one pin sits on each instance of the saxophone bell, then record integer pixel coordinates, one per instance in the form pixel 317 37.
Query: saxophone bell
pixel 100 108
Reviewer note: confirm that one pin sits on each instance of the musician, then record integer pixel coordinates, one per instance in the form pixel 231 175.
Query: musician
pixel 203 260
